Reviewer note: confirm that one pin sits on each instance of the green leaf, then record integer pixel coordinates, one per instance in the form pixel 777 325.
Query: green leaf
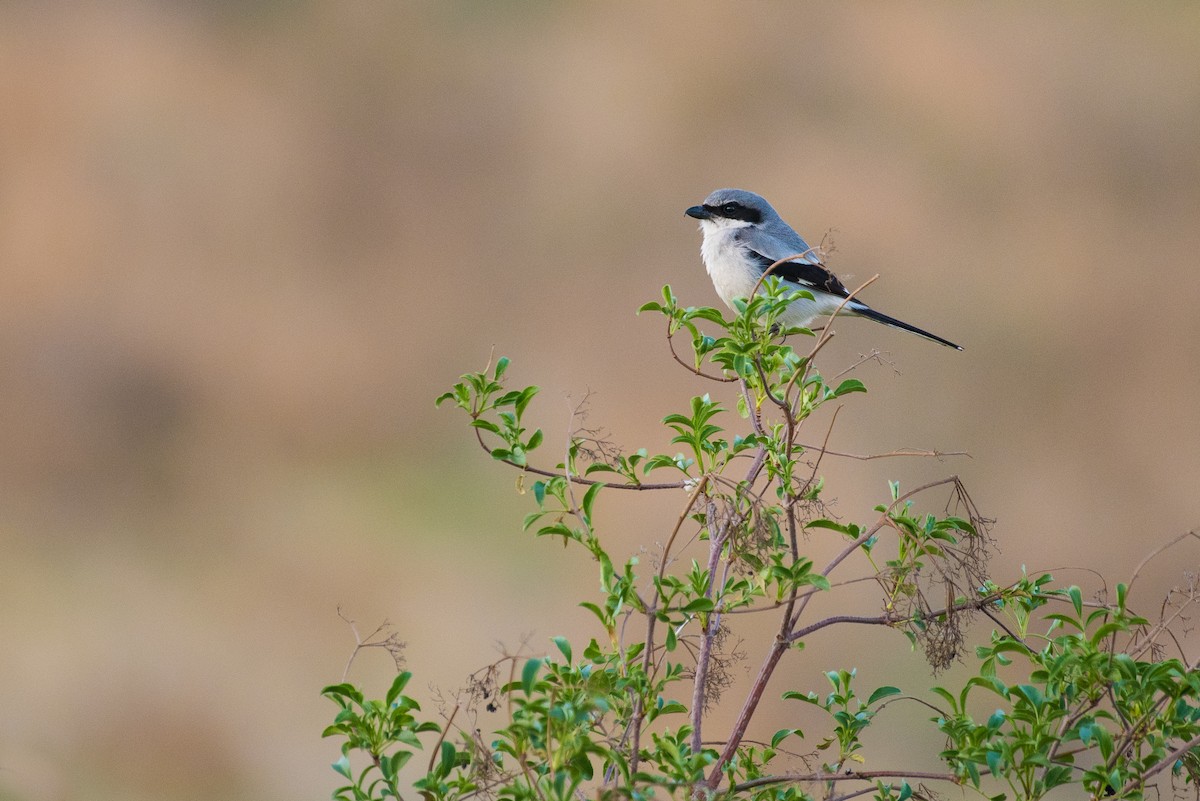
pixel 448 758
pixel 523 400
pixel 600 614
pixel 408 737
pixel 534 440
pixel 699 605
pixel 564 646
pixel 881 693
pixel 707 313
pixel 1076 599
pixel 529 674
pixel 1066 620
pixel 671 708
pixel 486 425
pixel 343 691
pixel 783 734
pixel 848 386
pixel 397 686
pixel 818 581
pixel 808 697
pixel 948 697
pixel 397 761
pixel 1106 630
pixel 501 366
pixel 832 526
pixel 589 498
pixel 1031 693
pixel 342 766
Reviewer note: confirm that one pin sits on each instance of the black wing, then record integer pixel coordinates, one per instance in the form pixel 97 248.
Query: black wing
pixel 802 273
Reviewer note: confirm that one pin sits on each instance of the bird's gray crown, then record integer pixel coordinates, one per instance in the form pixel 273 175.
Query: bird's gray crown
pixel 742 196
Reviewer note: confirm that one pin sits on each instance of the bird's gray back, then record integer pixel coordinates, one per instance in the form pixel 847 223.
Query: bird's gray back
pixel 778 242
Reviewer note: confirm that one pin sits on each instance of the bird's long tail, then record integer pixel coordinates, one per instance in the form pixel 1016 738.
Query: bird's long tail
pixel 862 310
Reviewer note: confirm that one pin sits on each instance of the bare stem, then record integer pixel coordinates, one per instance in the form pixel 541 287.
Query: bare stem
pixel 708 633
pixel 864 776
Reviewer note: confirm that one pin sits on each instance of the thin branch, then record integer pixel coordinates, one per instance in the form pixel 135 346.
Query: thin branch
pixel 889 619
pixel 874 355
pixel 920 701
pixel 587 482
pixel 693 368
pixel 855 794
pixel 437 747
pixel 747 711
pixel 1165 763
pixel 824 445
pixel 687 511
pixel 1138 570
pixel 1012 634
pixel 716 545
pixel 390 643
pixel 936 454
pixel 803 594
pixel 866 775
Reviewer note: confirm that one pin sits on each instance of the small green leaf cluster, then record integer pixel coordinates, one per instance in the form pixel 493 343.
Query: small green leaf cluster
pixel 482 394
pixel 1084 709
pixel 851 716
pixel 751 348
pixel 387 732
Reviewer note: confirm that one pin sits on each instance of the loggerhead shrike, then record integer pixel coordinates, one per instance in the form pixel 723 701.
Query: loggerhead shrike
pixel 743 236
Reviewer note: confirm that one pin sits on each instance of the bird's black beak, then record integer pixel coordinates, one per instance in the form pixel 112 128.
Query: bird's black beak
pixel 699 212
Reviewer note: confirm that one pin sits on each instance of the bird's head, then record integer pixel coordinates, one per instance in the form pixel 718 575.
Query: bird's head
pixel 732 208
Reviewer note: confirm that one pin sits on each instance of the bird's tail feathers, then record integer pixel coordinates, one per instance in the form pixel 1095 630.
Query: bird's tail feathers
pixel 863 310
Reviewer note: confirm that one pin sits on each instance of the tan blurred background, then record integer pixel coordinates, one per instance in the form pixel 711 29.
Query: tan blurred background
pixel 244 246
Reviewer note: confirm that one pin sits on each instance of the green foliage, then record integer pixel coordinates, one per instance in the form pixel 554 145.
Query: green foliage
pixel 387 731
pixel 1082 712
pixel 1069 691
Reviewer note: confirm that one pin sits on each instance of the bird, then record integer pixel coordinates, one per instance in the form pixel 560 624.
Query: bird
pixel 744 235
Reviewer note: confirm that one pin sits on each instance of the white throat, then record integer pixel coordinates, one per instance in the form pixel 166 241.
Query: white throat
pixel 733 274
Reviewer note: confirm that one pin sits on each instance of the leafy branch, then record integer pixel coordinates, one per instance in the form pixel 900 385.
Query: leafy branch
pixel 1081 691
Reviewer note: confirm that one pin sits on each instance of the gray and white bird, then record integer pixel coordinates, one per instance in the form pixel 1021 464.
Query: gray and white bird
pixel 744 235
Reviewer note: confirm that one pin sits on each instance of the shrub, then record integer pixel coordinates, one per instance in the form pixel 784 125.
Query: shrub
pixel 1083 691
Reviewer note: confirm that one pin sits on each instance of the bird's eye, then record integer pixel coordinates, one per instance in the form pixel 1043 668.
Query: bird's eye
pixel 729 209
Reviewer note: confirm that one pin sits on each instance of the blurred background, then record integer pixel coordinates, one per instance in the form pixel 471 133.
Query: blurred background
pixel 244 246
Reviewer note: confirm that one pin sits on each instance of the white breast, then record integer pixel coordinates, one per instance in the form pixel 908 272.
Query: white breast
pixel 735 276
pixel 732 274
